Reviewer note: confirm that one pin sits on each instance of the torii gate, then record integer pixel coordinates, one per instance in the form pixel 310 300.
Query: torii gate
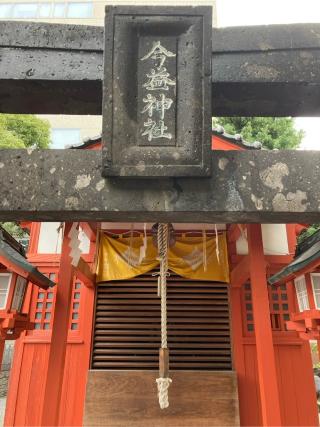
pixel 53 69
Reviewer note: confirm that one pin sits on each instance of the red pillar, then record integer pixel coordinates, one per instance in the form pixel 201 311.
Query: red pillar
pixel 60 326
pixel 269 392
pixel 312 304
pixel 237 345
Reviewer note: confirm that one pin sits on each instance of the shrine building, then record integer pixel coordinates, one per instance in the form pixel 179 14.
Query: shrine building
pixel 111 364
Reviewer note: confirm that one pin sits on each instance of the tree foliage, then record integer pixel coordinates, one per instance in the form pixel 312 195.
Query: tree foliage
pixel 307 232
pixel 14 229
pixel 272 132
pixel 23 131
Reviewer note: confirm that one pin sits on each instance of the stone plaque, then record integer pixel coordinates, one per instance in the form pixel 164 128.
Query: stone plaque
pixel 157 92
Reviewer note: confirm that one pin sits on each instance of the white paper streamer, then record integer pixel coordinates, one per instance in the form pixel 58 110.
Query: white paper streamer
pixel 204 249
pixel 74 244
pixel 217 243
pixel 130 257
pixel 143 248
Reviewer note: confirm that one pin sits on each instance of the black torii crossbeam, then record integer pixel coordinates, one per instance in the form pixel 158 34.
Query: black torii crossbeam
pixel 247 186
pixel 59 68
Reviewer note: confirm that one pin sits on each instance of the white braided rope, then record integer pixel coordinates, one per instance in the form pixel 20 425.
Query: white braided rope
pixel 163 257
pixel 163 242
pixel 163 385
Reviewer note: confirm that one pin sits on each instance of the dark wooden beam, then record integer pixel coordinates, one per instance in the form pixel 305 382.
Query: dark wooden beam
pixel 246 186
pixel 263 70
pixel 84 273
pixel 234 232
pixel 240 274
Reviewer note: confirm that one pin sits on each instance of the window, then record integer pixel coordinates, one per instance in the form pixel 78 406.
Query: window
pixel 59 10
pixel 63 137
pixel 45 10
pixel 5 10
pixel 74 315
pixel 49 9
pixel 44 306
pixel 5 280
pixel 279 311
pixel 25 10
pixel 80 10
pixel 315 280
pixel 302 294
pixel 43 312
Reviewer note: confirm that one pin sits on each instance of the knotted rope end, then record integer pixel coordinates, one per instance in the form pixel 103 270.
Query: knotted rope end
pixel 163 386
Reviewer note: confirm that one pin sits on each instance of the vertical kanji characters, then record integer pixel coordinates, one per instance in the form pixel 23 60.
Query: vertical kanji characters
pixel 156 105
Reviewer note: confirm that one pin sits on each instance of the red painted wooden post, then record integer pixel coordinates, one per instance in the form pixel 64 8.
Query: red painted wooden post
pixel 267 373
pixel 58 346
pixel 312 304
pixel 237 345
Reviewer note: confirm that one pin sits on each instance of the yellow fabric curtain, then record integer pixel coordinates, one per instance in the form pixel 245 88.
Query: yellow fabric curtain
pixel 119 259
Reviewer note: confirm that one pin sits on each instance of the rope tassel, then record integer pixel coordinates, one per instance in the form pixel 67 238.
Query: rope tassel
pixel 163 385
pixel 164 381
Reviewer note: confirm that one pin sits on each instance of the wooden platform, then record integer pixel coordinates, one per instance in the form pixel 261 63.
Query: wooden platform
pixel 129 399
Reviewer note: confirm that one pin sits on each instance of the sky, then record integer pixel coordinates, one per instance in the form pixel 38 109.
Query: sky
pixel 265 12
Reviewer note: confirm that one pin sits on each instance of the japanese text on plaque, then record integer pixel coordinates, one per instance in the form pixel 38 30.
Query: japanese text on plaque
pixel 159 84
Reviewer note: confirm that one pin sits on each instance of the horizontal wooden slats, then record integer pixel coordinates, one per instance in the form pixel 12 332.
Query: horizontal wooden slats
pixel 154 320
pixel 115 345
pixel 155 339
pixel 155 365
pixel 173 353
pixel 127 325
pixel 155 307
pixel 157 333
pixel 173 314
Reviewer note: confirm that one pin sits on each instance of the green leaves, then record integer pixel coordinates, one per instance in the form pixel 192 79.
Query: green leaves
pixel 273 132
pixel 14 229
pixel 308 232
pixel 23 130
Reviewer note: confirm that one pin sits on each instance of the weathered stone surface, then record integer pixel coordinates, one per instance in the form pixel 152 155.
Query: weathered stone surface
pixel 157 123
pixel 248 186
pixel 266 70
pixel 51 36
pixel 276 65
pixel 49 68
